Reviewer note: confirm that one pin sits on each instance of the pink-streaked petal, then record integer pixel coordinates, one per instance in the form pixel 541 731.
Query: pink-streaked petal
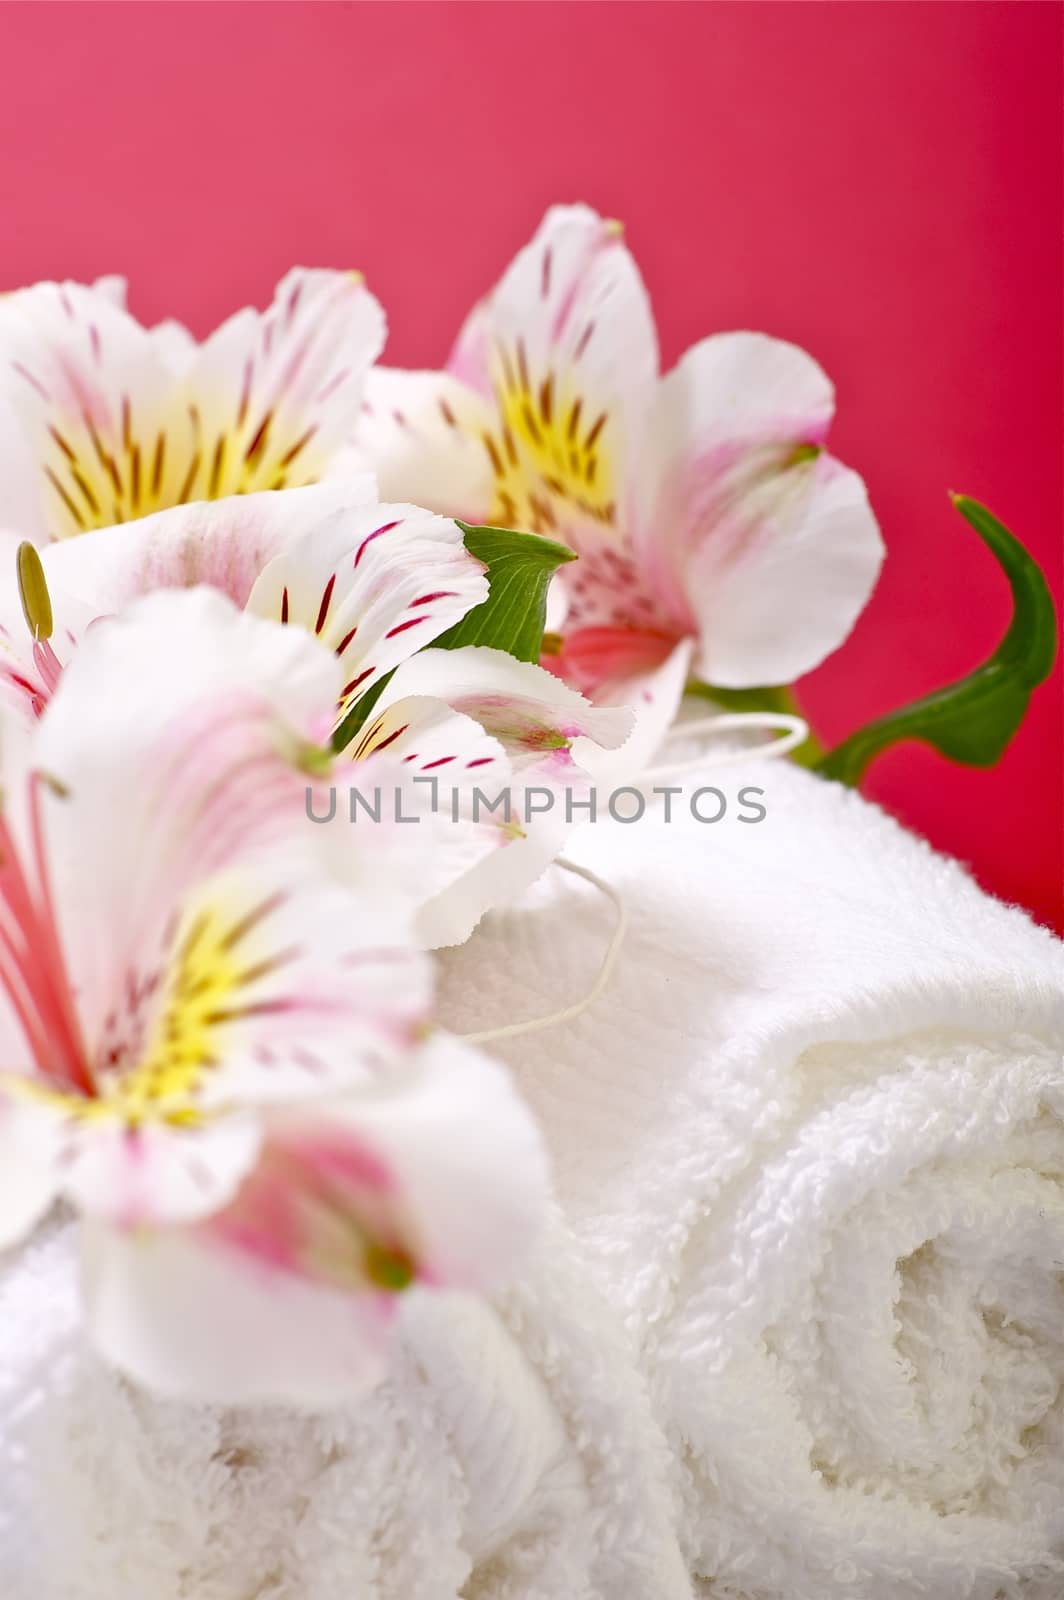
pixel 736 412
pixel 427 436
pixel 572 360
pixel 138 1175
pixel 224 543
pixel 375 586
pixel 288 1293
pixel 546 730
pixel 533 715
pixel 439 764
pixel 276 395
pixel 469 357
pixel 592 657
pixel 652 694
pixel 608 588
pixel 426 737
pixel 787 578
pixel 466 1161
pixel 438 1178
pixel 171 741
pixel 182 1314
pixel 731 544
pixel 93 398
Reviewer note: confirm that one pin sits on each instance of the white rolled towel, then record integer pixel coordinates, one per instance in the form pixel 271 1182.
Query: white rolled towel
pixel 812 1138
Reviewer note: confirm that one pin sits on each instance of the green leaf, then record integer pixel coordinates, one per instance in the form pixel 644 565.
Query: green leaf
pixel 972 721
pixel 520 567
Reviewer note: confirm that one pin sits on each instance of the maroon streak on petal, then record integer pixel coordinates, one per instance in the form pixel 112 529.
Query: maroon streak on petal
pixel 323 609
pixel 391 738
pixel 387 528
pixel 349 688
pixel 401 627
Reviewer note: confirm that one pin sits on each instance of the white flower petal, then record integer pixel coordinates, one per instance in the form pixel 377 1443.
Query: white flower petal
pixel 93 397
pixel 288 1295
pixel 430 739
pixel 442 768
pixel 571 352
pixel 374 585
pixel 533 715
pixel 223 543
pixel 171 740
pixel 467 1161
pixel 423 434
pixel 134 1176
pixel 521 851
pixel 31 1139
pixel 654 698
pixel 278 394
pixel 113 286
pixel 747 534
pixel 175 344
pixel 181 1315
pixel 538 722
pixel 797 589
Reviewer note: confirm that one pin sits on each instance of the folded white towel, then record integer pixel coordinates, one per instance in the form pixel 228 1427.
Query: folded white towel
pixel 808 1147
pixel 511 1455
pixel 813 1140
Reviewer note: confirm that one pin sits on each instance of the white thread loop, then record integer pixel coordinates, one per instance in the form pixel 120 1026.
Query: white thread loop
pixel 514 1030
pixel 795 731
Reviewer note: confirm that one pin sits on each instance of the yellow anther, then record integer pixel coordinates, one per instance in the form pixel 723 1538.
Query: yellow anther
pixel 614 227
pixel 33 592
pixel 53 784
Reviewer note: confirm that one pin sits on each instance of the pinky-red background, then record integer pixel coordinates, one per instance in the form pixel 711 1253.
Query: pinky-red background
pixel 879 182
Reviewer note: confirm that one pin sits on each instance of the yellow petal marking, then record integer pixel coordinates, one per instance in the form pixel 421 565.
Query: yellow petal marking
pixel 202 990
pixel 551 456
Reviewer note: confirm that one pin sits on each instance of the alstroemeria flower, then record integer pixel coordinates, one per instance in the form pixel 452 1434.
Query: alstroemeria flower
pixel 703 505
pixel 375 583
pixel 103 421
pixel 215 1051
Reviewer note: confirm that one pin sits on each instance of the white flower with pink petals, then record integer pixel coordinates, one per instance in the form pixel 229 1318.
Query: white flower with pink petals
pixel 220 1054
pixel 710 521
pixel 103 421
